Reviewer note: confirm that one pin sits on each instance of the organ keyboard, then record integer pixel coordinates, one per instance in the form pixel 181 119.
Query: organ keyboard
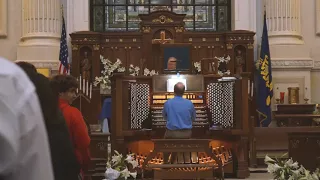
pixel 158 100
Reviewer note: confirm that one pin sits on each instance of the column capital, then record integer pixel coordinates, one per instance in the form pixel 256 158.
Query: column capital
pixel 284 21
pixel 41 31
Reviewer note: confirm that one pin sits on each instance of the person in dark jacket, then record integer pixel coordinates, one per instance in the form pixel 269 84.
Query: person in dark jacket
pixel 64 161
pixel 65 87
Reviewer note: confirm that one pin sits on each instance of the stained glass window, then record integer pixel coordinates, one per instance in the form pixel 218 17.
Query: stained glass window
pixel 122 15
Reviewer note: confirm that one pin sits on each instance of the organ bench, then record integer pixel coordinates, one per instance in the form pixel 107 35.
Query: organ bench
pixel 208 166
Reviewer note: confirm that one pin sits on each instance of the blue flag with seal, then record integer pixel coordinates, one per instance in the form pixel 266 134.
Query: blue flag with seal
pixel 265 86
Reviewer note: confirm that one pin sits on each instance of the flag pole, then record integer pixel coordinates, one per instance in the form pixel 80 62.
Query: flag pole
pixel 264 8
pixel 61 10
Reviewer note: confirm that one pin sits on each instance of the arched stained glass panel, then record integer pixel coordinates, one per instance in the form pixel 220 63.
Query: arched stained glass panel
pixel 122 15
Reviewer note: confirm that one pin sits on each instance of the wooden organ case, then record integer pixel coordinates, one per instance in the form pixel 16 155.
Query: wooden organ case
pixel 135 103
pixel 221 110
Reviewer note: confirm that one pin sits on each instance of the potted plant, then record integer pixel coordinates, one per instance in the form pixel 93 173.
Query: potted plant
pixel 289 170
pixel 121 167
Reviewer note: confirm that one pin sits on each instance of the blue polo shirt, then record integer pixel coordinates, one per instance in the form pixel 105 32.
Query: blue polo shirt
pixel 179 113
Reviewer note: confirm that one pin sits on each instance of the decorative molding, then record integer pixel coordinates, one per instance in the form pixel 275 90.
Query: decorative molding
pixel 3 18
pixel 250 46
pixel 229 46
pixel 75 47
pixel 294 63
pixel 317 17
pixel 162 19
pixel 146 29
pixel 179 29
pixel 96 47
pixel 316 65
pixel 53 65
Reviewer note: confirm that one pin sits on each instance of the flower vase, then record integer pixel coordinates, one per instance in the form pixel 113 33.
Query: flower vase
pixel 105 91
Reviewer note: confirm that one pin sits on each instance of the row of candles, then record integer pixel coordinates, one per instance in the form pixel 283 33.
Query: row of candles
pixel 84 87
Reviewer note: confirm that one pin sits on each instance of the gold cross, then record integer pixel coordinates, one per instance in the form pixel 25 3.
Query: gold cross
pixel 162 39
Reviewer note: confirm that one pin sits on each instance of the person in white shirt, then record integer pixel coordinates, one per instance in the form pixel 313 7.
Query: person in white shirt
pixel 24 147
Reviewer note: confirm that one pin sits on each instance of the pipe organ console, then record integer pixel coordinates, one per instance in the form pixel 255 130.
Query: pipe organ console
pixel 221 116
pixel 198 99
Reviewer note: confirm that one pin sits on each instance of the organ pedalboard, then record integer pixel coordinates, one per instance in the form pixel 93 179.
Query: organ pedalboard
pixel 197 99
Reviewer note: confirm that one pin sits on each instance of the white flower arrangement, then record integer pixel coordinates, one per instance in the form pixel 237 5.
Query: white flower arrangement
pixel 289 170
pixel 106 74
pixel 224 73
pixel 134 71
pixel 226 60
pixel 147 72
pixel 223 60
pixel 197 66
pixel 119 167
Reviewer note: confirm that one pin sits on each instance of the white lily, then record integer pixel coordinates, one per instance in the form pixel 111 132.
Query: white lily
pixel 126 173
pixel 129 158
pixel 267 159
pixel 134 163
pixel 116 158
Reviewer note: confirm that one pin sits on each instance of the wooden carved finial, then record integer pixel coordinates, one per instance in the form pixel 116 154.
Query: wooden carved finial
pixel 142 63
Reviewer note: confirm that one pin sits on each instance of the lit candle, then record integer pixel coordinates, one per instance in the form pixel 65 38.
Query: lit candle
pixel 84 85
pixel 90 91
pixel 249 86
pixel 77 90
pixel 252 89
pixel 80 82
pixel 87 89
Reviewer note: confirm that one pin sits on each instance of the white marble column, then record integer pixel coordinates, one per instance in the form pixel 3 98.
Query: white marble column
pixel 244 15
pixel 41 30
pixel 284 21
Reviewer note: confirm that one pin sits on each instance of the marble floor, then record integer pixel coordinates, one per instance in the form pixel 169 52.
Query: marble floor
pixel 258 176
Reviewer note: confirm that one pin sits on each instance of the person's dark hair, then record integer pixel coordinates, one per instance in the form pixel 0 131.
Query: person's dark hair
pixel 48 99
pixel 27 66
pixel 63 83
pixel 65 165
pixel 179 89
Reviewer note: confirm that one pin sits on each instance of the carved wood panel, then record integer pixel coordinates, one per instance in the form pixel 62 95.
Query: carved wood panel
pixel 134 55
pixel 108 52
pixel 131 47
pixel 120 53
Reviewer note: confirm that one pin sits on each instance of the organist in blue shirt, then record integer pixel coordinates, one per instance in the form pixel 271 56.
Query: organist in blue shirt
pixel 179 114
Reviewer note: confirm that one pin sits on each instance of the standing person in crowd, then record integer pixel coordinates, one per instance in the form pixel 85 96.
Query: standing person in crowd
pixel 24 147
pixel 64 162
pixel 65 86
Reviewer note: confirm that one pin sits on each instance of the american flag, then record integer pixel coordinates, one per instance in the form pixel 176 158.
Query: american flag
pixel 64 67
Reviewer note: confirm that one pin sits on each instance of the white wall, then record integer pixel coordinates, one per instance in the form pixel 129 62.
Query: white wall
pixel 8 44
pixel 78 15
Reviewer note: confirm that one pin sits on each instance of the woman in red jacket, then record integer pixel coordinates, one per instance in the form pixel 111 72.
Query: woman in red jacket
pixel 66 86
